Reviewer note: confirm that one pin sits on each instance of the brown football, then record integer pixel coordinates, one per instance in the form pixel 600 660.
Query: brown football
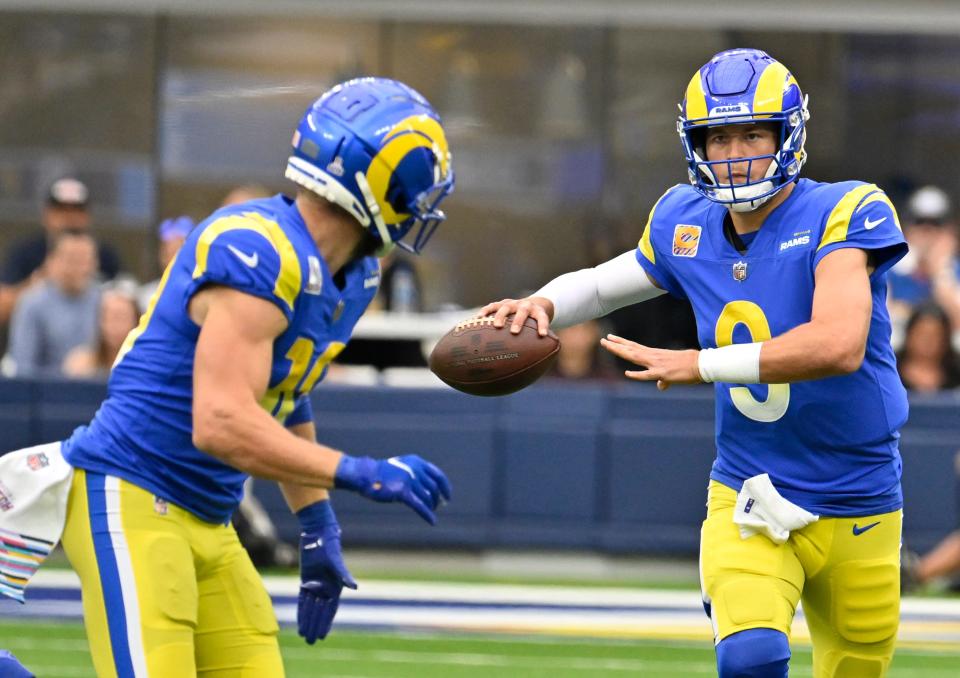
pixel 477 358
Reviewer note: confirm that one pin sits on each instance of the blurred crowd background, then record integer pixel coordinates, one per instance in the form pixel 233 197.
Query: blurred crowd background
pixel 561 118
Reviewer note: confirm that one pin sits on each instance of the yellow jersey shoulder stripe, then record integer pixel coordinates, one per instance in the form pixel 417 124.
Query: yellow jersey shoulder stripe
pixel 289 279
pixel 838 223
pixel 646 244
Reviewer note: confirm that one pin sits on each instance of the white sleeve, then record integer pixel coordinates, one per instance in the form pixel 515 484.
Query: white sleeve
pixel 593 292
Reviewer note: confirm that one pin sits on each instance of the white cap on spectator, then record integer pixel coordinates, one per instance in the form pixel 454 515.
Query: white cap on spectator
pixel 929 203
pixel 68 192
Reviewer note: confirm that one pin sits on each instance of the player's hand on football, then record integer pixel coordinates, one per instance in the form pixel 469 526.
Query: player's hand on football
pixel 409 479
pixel 663 366
pixel 538 308
pixel 322 572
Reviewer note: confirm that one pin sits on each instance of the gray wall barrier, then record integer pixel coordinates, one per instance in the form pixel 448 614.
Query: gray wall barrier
pixel 615 468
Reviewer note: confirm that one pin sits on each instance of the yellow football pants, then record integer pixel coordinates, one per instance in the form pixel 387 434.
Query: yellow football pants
pixel 164 593
pixel 846 571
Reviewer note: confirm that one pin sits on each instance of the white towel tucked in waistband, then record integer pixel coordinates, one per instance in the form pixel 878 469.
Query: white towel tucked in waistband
pixel 34 487
pixel 761 510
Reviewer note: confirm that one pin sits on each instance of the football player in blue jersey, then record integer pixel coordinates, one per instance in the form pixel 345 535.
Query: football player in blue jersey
pixel 213 386
pixel 787 278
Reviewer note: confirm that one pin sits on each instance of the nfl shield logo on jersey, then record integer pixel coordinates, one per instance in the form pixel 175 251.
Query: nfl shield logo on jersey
pixel 315 279
pixel 686 240
pixel 740 271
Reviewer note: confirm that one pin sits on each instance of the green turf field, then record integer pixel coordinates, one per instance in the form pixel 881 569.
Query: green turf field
pixel 60 651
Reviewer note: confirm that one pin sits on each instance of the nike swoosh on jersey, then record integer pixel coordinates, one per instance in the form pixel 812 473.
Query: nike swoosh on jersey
pixel 250 260
pixel 857 531
pixel 870 225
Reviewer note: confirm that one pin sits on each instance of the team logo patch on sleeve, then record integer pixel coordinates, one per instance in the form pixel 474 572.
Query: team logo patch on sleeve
pixel 686 240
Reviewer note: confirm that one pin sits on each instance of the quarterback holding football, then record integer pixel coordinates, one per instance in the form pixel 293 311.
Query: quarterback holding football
pixel 787 279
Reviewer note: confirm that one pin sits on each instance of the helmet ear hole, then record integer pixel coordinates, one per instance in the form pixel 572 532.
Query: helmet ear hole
pixel 397 196
pixel 698 139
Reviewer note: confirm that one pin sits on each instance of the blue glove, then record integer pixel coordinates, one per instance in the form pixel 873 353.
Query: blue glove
pixel 322 572
pixel 10 667
pixel 408 479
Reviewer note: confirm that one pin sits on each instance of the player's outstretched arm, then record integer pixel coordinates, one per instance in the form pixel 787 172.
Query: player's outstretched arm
pixel 231 374
pixel 576 297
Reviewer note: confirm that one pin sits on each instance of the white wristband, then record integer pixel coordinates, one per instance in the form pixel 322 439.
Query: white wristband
pixel 734 364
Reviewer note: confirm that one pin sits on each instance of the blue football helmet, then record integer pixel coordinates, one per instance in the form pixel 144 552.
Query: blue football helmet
pixel 376 148
pixel 741 86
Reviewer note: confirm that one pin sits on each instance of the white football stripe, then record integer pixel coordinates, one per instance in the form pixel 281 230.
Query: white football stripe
pixel 128 585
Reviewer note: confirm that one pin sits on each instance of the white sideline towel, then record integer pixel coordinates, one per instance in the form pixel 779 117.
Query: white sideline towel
pixel 761 510
pixel 34 487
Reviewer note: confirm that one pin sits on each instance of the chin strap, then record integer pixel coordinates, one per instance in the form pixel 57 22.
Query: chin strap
pixel 316 180
pixel 741 207
pixel 373 207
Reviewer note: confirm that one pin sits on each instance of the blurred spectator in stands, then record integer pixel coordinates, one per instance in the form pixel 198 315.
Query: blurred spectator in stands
pixel 118 315
pixel 245 192
pixel 400 290
pixel 581 357
pixel 927 360
pixel 66 209
pixel 59 313
pixel 931 270
pixel 171 234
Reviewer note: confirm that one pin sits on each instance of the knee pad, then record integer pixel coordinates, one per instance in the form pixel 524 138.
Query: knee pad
pixel 853 666
pixel 866 601
pixel 754 653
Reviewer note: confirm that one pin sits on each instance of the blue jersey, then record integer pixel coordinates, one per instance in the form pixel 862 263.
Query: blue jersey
pixel 829 445
pixel 143 431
